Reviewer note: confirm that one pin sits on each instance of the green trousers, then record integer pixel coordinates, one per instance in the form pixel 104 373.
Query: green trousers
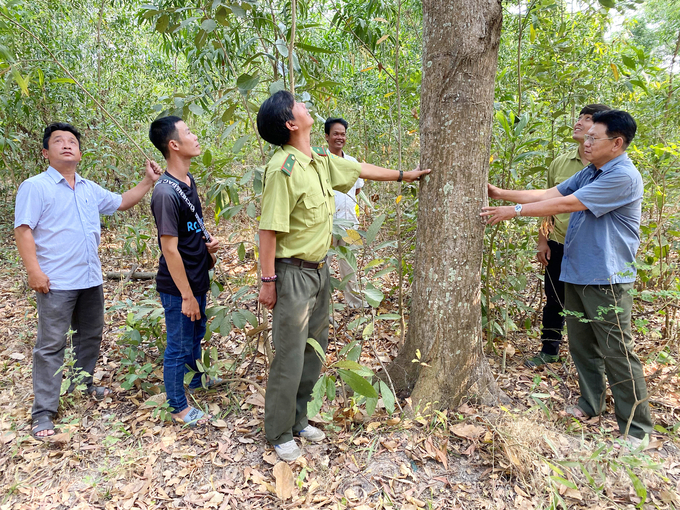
pixel 603 344
pixel 301 312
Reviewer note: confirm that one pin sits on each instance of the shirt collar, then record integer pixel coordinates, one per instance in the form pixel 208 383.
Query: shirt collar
pixel 57 177
pixel 300 157
pixel 576 155
pixel 612 162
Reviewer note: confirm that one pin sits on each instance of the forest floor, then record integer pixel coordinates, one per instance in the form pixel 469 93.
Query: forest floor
pixel 120 454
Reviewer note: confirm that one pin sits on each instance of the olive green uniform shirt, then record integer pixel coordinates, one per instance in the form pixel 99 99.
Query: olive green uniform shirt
pixel 562 167
pixel 298 201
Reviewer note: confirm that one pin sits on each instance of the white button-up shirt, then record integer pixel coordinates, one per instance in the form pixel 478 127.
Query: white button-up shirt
pixel 65 225
pixel 345 202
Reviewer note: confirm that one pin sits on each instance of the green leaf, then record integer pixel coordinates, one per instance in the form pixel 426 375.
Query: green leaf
pixel 250 317
pixel 228 113
pixel 373 296
pixel 240 143
pixel 348 364
pixel 209 25
pixel 389 316
pixel 388 397
pixel 238 319
pixel 207 157
pixel 221 16
pixel 196 109
pixel 200 39
pixel 225 326
pixel 629 62
pixel 330 388
pixel 314 405
pixel 358 383
pixel 282 47
pixel 374 228
pixel 276 87
pixel 371 404
pixel 63 80
pixel 246 83
pixel 241 251
pixel 162 23
pixel 564 482
pixel 639 487
pixel 319 350
pixel 238 11
pixel 368 331
pixel 609 4
pixel 313 49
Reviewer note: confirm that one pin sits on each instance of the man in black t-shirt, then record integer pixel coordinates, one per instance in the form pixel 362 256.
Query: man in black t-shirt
pixel 188 253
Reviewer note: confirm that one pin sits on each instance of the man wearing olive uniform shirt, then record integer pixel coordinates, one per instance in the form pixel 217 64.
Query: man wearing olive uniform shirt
pixel 295 235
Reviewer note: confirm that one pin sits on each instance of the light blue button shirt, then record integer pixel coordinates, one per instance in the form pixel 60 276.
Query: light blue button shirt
pixel 65 225
pixel 602 241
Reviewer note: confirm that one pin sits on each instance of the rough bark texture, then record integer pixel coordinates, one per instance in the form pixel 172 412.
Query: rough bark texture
pixel 460 53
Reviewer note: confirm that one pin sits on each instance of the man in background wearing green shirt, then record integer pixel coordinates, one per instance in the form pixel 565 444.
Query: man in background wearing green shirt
pixel 551 242
pixel 295 234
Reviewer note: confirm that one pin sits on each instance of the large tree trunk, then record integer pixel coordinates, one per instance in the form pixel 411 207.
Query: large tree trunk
pixel 460 53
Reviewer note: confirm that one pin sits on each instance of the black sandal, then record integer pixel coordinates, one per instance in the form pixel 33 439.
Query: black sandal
pixel 40 424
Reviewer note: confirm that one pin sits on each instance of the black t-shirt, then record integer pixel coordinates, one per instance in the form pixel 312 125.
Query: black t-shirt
pixel 174 218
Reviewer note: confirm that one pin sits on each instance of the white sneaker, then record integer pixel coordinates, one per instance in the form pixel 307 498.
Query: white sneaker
pixel 288 451
pixel 311 433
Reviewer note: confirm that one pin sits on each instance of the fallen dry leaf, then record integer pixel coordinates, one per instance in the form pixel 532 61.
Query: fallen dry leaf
pixel 284 481
pixel 270 458
pixel 220 424
pixel 468 431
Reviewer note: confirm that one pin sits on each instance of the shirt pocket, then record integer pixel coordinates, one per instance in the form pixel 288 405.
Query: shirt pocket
pixel 315 209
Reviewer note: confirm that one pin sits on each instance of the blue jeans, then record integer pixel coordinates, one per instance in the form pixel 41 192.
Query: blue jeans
pixel 184 348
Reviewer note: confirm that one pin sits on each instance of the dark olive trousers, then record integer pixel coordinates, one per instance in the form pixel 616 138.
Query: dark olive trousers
pixel 301 312
pixel 600 342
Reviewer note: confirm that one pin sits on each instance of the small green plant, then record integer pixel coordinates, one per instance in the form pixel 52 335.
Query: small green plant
pixel 143 342
pixel 137 240
pixel 358 377
pixel 74 377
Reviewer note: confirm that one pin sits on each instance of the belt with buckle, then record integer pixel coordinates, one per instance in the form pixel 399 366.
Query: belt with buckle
pixel 303 263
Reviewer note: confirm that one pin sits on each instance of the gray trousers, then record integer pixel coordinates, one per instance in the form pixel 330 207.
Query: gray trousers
pixel 301 312
pixel 83 311
pixel 604 345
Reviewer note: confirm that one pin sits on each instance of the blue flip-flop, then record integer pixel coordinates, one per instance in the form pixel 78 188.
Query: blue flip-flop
pixel 192 418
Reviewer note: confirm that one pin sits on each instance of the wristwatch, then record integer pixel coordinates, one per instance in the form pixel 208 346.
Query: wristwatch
pixel 518 210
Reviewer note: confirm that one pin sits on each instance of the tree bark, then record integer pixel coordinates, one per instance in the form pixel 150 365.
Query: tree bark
pixel 460 54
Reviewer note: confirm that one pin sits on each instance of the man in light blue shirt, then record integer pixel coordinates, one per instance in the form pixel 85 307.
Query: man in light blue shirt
pixel 602 240
pixel 56 225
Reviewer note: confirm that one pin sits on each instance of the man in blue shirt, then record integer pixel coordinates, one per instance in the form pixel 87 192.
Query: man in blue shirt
pixel 56 225
pixel 605 200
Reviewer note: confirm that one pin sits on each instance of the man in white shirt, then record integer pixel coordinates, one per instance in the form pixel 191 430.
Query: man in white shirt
pixel 345 205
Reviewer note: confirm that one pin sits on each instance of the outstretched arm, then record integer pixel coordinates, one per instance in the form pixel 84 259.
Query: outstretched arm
pixel 547 207
pixel 526 196
pixel 132 196
pixel 378 173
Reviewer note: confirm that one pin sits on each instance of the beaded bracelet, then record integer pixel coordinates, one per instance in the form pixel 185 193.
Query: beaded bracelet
pixel 268 279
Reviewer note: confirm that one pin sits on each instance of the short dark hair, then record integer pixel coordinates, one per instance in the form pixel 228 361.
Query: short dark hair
pixel 59 126
pixel 334 120
pixel 618 123
pixel 162 131
pixel 273 115
pixel 591 109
